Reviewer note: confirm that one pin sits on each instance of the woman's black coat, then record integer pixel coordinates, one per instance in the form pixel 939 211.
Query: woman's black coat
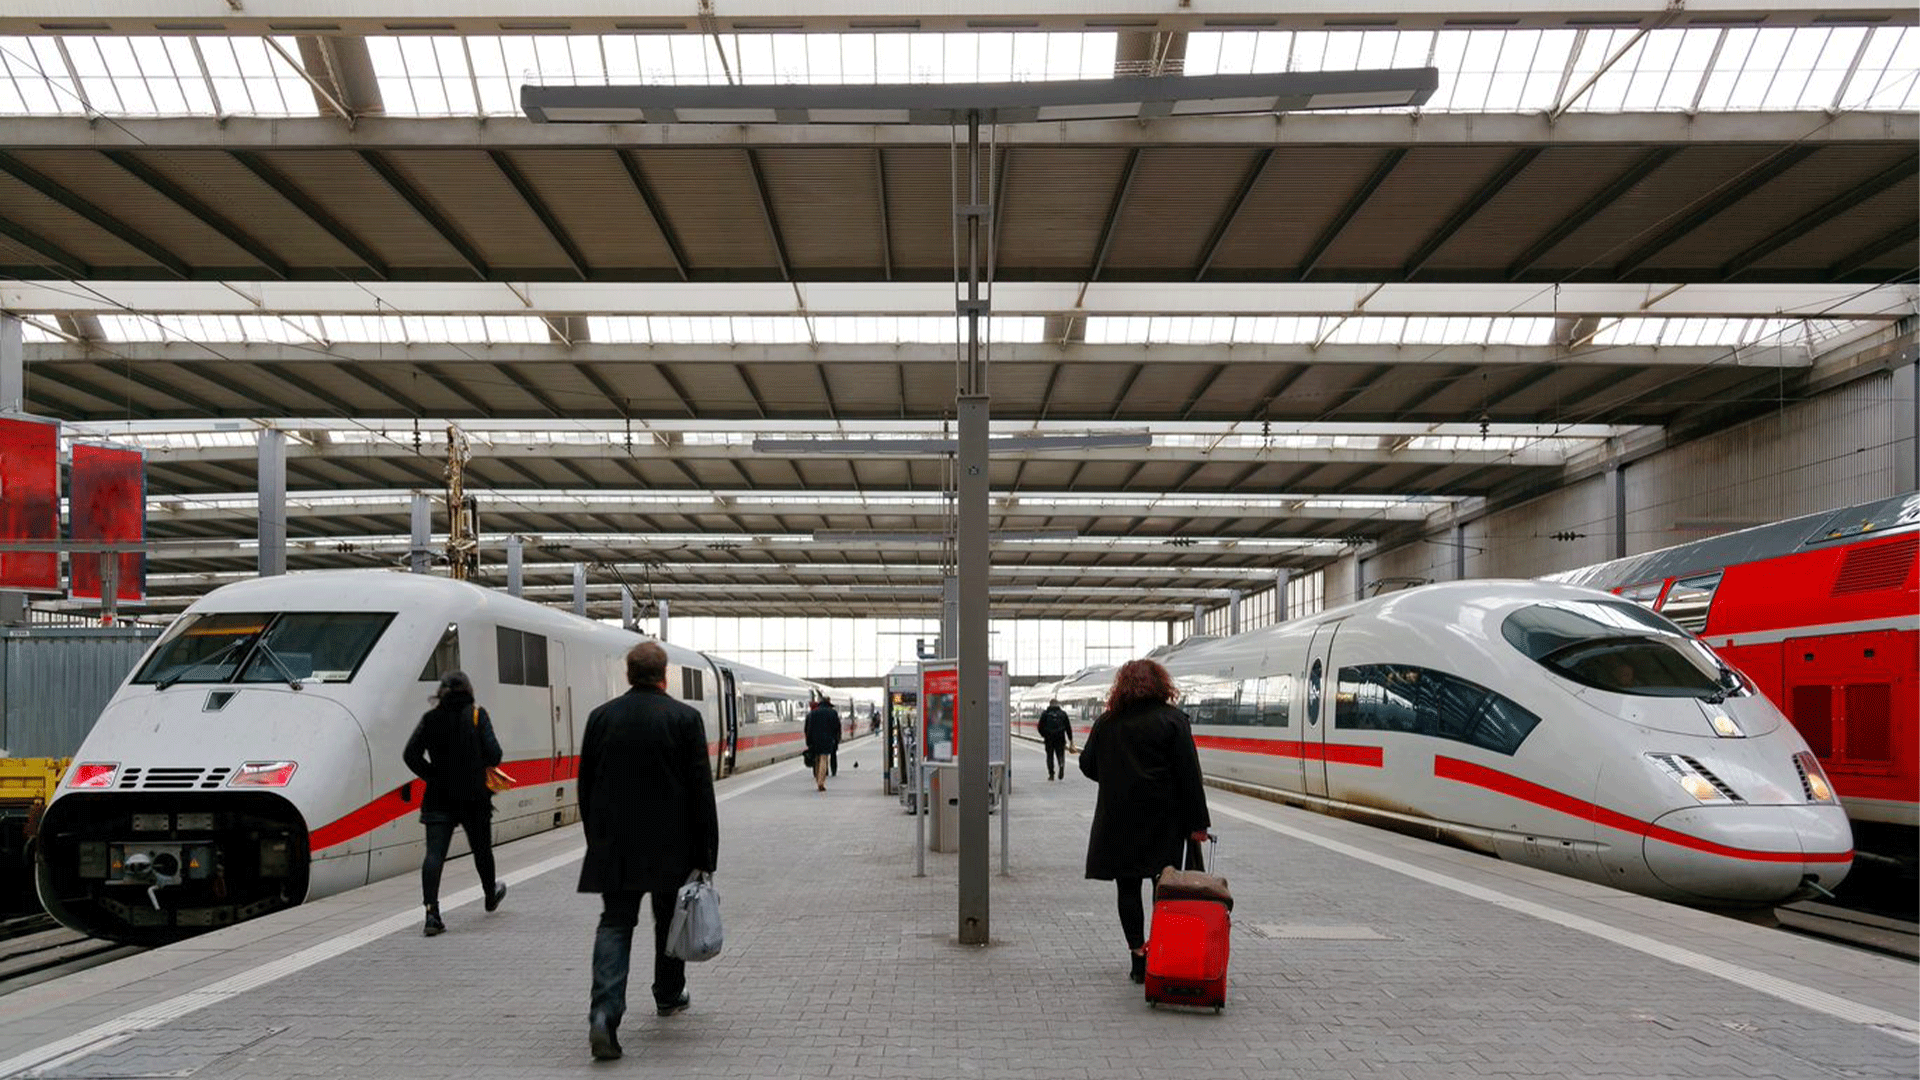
pixel 1150 791
pixel 646 794
pixel 450 749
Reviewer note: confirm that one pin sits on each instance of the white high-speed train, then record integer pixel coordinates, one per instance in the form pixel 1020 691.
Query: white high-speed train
pixel 1546 724
pixel 252 759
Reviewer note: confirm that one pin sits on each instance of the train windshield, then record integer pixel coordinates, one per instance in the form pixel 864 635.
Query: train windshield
pixel 266 648
pixel 1621 648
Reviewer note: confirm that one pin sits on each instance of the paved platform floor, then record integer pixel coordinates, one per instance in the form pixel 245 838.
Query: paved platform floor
pixel 1357 953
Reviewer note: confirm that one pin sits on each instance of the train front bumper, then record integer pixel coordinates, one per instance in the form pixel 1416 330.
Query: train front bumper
pixel 1745 854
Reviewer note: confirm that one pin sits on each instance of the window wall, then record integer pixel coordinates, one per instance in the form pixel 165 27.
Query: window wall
pixel 839 648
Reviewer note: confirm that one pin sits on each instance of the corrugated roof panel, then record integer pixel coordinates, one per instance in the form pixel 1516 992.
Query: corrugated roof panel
pixel 712 205
pixel 1055 206
pixel 1177 199
pixel 66 229
pixel 1806 186
pixel 217 179
pixel 1562 177
pixel 826 200
pixel 347 188
pixel 593 198
pixel 1836 241
pixel 93 177
pixel 476 199
pixel 789 389
pixel 1662 198
pixel 1289 208
pixel 1415 199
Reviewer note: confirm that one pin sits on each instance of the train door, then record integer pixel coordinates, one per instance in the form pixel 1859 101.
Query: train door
pixel 728 762
pixel 560 709
pixel 1320 679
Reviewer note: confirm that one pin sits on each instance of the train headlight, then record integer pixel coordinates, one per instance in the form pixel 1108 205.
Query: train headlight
pixel 1725 727
pixel 1694 778
pixel 92 774
pixel 263 774
pixel 1813 779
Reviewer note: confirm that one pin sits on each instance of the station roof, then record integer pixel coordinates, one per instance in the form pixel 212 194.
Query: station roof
pixel 1611 218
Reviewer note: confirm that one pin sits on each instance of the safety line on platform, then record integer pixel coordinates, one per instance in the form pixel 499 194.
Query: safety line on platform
pixel 1900 1027
pixel 102 1035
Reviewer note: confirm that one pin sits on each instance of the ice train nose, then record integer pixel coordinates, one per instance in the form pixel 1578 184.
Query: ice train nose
pixel 1750 854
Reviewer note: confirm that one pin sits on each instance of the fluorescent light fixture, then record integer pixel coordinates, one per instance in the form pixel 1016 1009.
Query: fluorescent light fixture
pixel 1002 103
pixel 1119 440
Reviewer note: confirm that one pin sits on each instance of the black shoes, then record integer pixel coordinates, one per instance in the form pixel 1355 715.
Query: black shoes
pixel 1139 972
pixel 678 1005
pixel 499 893
pixel 601 1039
pixel 434 926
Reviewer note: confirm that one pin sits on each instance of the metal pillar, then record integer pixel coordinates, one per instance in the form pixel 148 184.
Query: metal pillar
pixel 13 365
pixel 949 616
pixel 421 555
pixel 1199 617
pixel 663 619
pixel 1617 480
pixel 1280 578
pixel 515 578
pixel 626 608
pixel 579 588
pixel 970 467
pixel 1233 611
pixel 272 483
pixel 1460 552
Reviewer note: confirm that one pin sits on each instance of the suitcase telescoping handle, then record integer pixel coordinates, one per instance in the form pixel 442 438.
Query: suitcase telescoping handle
pixel 1213 851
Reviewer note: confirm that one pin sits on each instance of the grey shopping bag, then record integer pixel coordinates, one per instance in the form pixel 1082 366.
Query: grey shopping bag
pixel 695 932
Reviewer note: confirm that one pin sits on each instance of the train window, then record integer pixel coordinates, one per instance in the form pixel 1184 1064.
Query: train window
pixel 445 656
pixel 320 646
pixel 522 656
pixel 1645 595
pixel 1276 700
pixel 1689 600
pixel 207 648
pixel 1620 648
pixel 1215 701
pixel 691 685
pixel 1422 701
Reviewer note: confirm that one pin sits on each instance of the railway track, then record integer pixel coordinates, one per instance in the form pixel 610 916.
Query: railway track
pixel 35 949
pixel 1876 933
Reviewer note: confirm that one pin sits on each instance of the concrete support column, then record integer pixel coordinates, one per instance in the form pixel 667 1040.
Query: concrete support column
pixel 626 608
pixel 1617 485
pixel 1906 422
pixel 949 645
pixel 1199 618
pixel 1233 611
pixel 971 467
pixel 1280 579
pixel 1460 552
pixel 13 365
pixel 421 557
pixel 515 577
pixel 663 618
pixel 579 588
pixel 272 512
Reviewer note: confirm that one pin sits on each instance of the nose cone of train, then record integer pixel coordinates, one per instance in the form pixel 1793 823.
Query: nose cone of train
pixel 1750 854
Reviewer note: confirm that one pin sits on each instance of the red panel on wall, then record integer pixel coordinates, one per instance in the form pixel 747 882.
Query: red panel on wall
pixel 30 502
pixel 107 501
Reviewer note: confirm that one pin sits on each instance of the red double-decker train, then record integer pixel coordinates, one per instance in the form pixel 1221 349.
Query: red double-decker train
pixel 1823 613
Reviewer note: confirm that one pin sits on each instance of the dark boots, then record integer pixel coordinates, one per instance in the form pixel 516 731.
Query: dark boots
pixel 434 926
pixel 1139 972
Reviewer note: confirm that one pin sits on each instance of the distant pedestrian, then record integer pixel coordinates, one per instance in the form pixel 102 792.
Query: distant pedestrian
pixel 451 749
pixel 646 803
pixel 823 738
pixel 1057 732
pixel 1151 801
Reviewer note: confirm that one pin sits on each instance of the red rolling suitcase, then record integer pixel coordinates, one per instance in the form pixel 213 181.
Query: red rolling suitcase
pixel 1187 954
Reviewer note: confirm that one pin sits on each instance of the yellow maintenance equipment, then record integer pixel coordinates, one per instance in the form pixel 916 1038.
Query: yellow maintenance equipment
pixel 26 784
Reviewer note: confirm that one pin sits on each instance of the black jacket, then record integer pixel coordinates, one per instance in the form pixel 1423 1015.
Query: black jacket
pixel 1054 726
pixel 1150 791
pixel 646 794
pixel 823 728
pixel 450 749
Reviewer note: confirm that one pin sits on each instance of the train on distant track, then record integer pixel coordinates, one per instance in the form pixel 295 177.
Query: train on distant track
pixel 1546 724
pixel 1822 613
pixel 252 760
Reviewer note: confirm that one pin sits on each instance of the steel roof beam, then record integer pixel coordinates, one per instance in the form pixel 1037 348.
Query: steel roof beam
pixel 538 206
pixel 428 212
pixel 58 256
pixel 206 215
pixel 304 203
pixel 113 226
pixel 1388 162
pixel 1813 219
pixel 1723 200
pixel 1475 203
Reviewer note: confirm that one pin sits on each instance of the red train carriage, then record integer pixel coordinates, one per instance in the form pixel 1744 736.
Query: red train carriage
pixel 1823 613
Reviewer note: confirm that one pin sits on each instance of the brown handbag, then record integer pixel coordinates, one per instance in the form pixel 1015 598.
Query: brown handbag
pixel 1192 885
pixel 498 779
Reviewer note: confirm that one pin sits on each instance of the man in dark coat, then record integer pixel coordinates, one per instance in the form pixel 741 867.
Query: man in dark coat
pixel 823 738
pixel 646 802
pixel 1057 732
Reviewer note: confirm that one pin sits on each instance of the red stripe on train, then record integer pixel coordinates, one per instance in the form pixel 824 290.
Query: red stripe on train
pixel 391 807
pixel 1466 772
pixel 1338 753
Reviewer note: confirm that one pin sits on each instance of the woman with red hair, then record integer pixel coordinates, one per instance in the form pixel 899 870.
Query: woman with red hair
pixel 1151 801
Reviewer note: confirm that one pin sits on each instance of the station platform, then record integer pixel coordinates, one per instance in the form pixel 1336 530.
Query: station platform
pixel 1356 953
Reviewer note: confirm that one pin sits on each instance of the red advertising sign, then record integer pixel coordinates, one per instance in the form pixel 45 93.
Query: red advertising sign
pixel 30 502
pixel 107 502
pixel 939 714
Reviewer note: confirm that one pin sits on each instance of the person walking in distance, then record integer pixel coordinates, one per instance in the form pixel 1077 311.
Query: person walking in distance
pixel 647 806
pixel 1057 732
pixel 1151 801
pixel 823 738
pixel 451 749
